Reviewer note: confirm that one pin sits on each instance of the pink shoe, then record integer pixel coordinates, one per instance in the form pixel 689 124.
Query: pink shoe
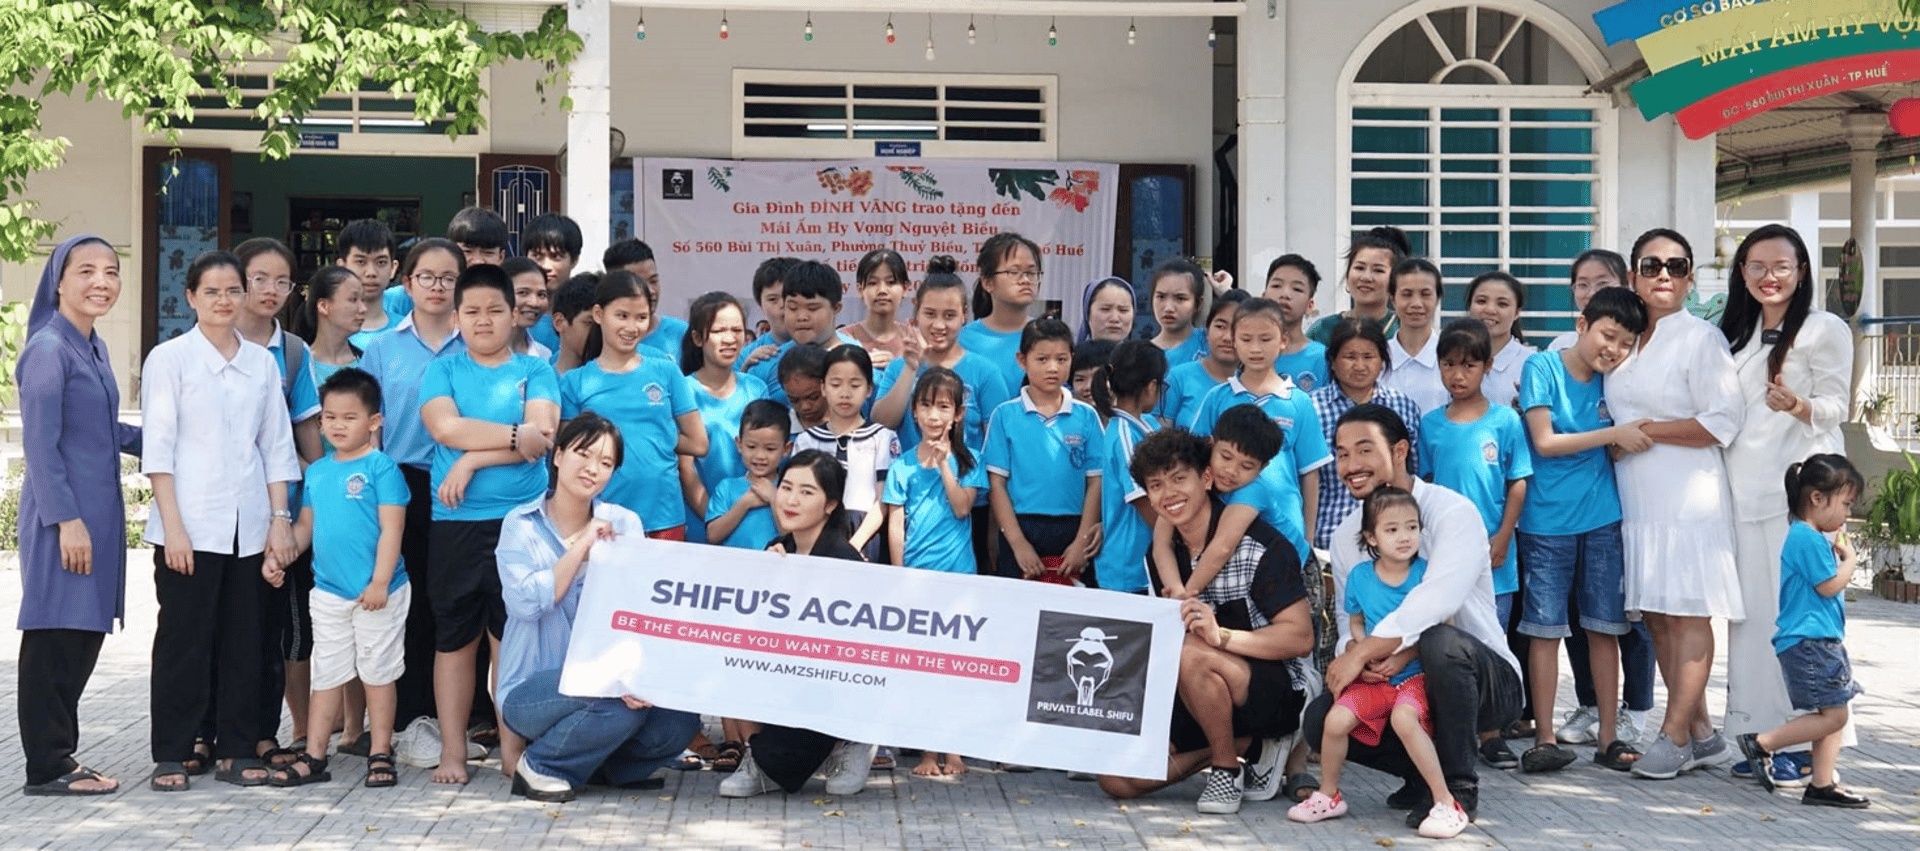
pixel 1444 821
pixel 1318 807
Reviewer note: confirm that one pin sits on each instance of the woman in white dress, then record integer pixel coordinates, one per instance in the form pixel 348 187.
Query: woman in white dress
pixel 1795 366
pixel 1677 513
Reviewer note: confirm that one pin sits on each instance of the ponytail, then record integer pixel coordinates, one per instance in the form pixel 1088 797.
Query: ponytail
pixel 1134 366
pixel 1825 473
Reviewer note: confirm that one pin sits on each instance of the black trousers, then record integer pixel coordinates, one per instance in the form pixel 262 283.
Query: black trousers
pixel 414 691
pixel 55 665
pixel 286 635
pixel 789 755
pixel 1469 689
pixel 206 655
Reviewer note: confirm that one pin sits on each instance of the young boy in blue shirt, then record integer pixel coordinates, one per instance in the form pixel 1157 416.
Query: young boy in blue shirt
pixel 1036 443
pixel 493 415
pixel 737 509
pixel 1291 282
pixel 1569 529
pixel 769 289
pixel 481 234
pixel 355 511
pixel 365 247
pixel 810 307
pixel 554 242
pixel 571 321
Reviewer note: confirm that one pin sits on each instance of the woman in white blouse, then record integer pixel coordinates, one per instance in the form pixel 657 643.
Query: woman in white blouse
pixel 220 455
pixel 1677 515
pixel 1796 367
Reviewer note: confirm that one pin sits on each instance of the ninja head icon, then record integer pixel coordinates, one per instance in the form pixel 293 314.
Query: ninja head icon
pixel 1089 663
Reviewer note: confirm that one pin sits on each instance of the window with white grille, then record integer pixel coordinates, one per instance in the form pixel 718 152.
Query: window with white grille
pixel 839 114
pixel 372 109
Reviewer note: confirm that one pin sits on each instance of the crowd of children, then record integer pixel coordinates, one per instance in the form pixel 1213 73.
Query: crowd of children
pixel 396 433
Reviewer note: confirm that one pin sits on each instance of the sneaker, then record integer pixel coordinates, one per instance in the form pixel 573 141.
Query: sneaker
pixel 419 744
pixel 1710 751
pixel 1222 794
pixel 1785 773
pixel 1834 796
pixel 1664 760
pixel 1581 727
pixel 1629 725
pixel 849 776
pixel 1317 807
pixel 746 781
pixel 1759 762
pixel 1263 777
pixel 535 786
pixel 1444 821
pixel 1496 753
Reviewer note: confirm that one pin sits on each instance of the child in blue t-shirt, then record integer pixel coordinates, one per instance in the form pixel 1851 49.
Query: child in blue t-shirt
pixel 737 509
pixel 1036 444
pixel 1291 282
pixel 492 414
pixel 930 491
pixel 865 448
pixel 644 394
pixel 1569 526
pixel 1390 532
pixel 353 517
pixel 1129 388
pixel 810 306
pixel 1812 626
pixel 1478 449
pixel 1244 442
pixel 1009 282
pixel 716 330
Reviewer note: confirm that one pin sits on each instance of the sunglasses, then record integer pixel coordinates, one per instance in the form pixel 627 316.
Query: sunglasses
pixel 1676 266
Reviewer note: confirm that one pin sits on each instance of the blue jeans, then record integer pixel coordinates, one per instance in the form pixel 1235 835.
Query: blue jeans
pixel 569 737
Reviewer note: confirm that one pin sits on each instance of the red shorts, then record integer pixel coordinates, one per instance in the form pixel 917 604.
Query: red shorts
pixel 1373 704
pixel 677 533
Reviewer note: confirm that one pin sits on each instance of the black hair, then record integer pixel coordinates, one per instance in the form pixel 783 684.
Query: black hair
pixel 612 286
pixel 1091 354
pixel 585 429
pixel 1660 233
pixel 773 270
pixel 813 279
pixel 940 276
pixel 624 253
pixel 831 475
pixel 1352 328
pixel 1230 298
pixel 517 266
pixel 432 243
pixel 482 276
pixel 1045 328
pixel 1198 284
pixel 322 287
pixel 1610 259
pixel 850 354
pixel 805 359
pixel 1386 237
pixel 700 319
pixel 1377 503
pixel 881 257
pixel 1250 430
pixel 479 227
pixel 1825 473
pixel 1512 283
pixel 1305 266
pixel 1466 337
pixel 1166 450
pixel 259 245
pixel 1134 366
pixel 1415 266
pixel 576 295
pixel 993 252
pixel 355 382
pixel 1258 306
pixel 210 260
pixel 1391 426
pixel 370 236
pixel 1619 304
pixel 1742 315
pixel 937 380
pixel 551 232
pixel 765 413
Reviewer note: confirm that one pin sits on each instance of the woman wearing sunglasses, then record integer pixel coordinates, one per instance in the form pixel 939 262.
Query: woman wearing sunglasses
pixel 1677 516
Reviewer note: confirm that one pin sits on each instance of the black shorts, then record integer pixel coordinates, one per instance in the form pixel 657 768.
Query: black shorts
pixel 465 582
pixel 1272 709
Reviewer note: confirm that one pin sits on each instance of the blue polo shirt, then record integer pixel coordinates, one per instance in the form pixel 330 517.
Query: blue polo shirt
pixel 495 394
pixel 363 339
pixel 396 302
pixel 1001 349
pixel 666 336
pixel 1038 454
pixel 756 530
pixel 1121 564
pixel 1194 348
pixel 1373 599
pixel 1303 446
pixel 643 404
pixel 1307 368
pixel 722 420
pixel 1569 494
pixel 345 498
pixel 1806 560
pixel 985 390
pixel 1279 510
pixel 935 540
pixel 399 359
pixel 1477 460
pixel 1186 385
pixel 543 333
pixel 768 371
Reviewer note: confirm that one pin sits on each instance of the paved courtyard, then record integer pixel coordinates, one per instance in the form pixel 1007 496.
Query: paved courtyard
pixel 1585 807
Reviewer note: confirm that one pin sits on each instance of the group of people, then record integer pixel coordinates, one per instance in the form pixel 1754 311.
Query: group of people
pixel 1379 528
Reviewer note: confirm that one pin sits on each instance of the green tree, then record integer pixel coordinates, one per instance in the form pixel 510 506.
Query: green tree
pixel 155 56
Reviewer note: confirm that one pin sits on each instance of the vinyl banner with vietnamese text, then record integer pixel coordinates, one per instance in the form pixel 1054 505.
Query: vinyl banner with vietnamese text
pixel 1023 672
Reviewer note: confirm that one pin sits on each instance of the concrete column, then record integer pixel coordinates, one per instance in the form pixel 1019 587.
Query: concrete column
pixel 588 127
pixel 1261 157
pixel 1803 215
pixel 1864 129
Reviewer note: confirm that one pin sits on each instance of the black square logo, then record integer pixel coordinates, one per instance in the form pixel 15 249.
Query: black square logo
pixel 1089 672
pixel 676 184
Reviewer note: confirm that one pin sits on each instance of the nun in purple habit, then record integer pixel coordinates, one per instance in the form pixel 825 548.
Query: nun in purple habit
pixel 73 542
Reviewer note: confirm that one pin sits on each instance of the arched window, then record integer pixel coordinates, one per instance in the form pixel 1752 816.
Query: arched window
pixel 1469 127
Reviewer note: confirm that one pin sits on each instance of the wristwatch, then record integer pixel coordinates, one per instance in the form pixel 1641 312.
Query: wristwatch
pixel 283 514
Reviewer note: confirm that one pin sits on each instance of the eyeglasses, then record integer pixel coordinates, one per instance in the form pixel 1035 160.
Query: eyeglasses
pixel 1032 275
pixel 262 282
pixel 231 294
pixel 1756 271
pixel 436 282
pixel 1676 266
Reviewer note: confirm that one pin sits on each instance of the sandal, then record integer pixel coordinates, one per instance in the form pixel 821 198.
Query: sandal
pixel 486 736
pixel 235 772
pixel 290 775
pixel 170 769
pixel 727 757
pixel 279 757
pixel 361 745
pixel 196 765
pixel 1300 787
pixel 63 785
pixel 1545 757
pixel 687 761
pixel 1618 756
pixel 381 771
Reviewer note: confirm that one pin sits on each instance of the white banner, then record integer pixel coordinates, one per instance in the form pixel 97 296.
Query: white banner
pixel 711 222
pixel 999 669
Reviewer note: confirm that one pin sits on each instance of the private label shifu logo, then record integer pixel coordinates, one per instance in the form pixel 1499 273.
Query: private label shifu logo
pixel 1089 672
